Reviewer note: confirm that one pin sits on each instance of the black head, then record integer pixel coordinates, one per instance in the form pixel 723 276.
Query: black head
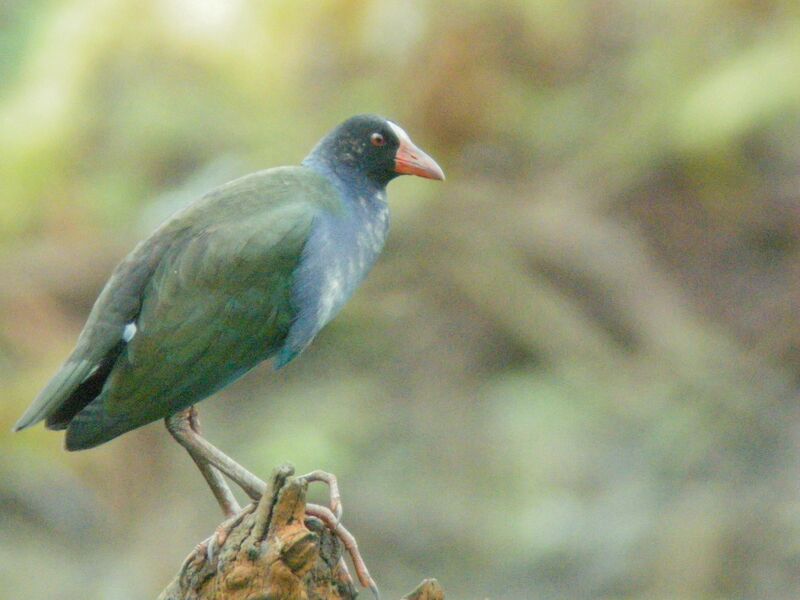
pixel 373 148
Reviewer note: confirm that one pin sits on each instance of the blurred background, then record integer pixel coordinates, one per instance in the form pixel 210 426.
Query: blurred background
pixel 574 372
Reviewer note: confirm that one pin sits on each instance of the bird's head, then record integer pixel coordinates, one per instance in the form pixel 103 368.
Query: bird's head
pixel 371 147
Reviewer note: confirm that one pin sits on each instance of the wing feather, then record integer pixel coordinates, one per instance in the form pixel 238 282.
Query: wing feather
pixel 217 304
pixel 211 282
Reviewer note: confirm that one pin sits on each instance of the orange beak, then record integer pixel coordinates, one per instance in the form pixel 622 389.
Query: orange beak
pixel 410 160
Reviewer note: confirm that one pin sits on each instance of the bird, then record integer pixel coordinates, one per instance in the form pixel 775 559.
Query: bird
pixel 250 271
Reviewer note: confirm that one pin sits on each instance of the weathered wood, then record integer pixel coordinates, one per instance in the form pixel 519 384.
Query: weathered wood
pixel 429 589
pixel 273 551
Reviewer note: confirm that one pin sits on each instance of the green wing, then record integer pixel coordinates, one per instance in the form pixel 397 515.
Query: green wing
pixel 99 342
pixel 210 297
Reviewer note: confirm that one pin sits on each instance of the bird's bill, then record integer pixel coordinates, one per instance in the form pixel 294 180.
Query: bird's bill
pixel 410 160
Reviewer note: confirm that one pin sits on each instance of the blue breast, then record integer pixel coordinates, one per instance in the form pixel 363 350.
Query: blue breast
pixel 340 251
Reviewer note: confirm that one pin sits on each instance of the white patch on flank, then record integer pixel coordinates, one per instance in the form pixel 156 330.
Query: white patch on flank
pixel 401 135
pixel 129 332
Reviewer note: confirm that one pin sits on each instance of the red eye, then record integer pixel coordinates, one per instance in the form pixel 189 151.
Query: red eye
pixel 377 139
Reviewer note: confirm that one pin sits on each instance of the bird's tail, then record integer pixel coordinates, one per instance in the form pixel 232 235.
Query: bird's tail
pixel 58 391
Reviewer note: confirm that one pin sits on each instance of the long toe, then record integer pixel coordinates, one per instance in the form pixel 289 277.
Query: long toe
pixel 325 515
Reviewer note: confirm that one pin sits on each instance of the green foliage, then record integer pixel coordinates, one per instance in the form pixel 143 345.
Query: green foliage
pixel 573 373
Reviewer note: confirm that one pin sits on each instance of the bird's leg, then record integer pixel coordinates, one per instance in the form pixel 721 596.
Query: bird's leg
pixel 197 446
pixel 187 421
pixel 210 546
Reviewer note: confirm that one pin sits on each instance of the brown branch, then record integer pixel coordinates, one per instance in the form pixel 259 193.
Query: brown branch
pixel 273 550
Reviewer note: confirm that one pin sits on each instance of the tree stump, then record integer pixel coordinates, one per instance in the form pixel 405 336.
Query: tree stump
pixel 273 551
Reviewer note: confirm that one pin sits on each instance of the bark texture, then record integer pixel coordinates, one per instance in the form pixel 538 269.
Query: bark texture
pixel 273 551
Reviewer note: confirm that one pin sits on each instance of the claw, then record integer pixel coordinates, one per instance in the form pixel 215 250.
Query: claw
pixel 221 534
pixel 200 552
pixel 211 548
pixel 375 591
pixel 218 538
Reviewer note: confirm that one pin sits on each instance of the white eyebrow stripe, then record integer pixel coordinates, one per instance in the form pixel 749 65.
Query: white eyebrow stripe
pixel 398 131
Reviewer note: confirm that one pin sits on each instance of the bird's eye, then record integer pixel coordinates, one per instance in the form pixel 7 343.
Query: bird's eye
pixel 377 139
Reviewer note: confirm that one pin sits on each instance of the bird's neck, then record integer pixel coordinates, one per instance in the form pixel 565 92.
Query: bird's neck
pixel 351 183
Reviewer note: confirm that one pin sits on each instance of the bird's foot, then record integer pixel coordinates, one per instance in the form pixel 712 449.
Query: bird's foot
pixel 324 514
pixel 213 544
pixel 333 520
pixel 184 428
